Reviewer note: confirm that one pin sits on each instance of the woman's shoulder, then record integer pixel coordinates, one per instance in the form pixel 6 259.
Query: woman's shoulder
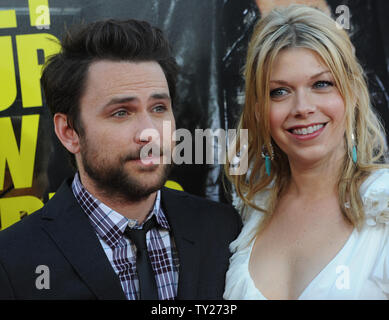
pixel 260 200
pixel 377 179
pixel 238 281
pixel 251 220
pixel 375 197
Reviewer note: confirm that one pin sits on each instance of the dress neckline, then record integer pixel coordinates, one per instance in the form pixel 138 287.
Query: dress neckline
pixel 315 279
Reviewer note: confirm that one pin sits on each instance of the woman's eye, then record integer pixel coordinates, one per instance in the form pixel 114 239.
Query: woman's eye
pixel 279 92
pixel 323 84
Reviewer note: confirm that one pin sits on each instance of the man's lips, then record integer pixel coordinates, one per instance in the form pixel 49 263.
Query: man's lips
pixel 141 156
pixel 150 159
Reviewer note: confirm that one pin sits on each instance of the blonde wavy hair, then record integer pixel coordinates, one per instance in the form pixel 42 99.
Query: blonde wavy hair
pixel 306 27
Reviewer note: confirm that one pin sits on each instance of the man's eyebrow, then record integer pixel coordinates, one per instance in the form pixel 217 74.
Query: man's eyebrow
pixel 120 100
pixel 312 77
pixel 159 96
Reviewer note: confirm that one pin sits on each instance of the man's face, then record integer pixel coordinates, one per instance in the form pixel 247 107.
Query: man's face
pixel 121 101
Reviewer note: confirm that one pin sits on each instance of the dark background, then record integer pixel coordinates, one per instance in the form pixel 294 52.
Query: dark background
pixel 209 40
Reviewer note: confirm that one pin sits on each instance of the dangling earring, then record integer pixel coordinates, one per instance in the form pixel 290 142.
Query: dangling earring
pixel 268 158
pixel 354 149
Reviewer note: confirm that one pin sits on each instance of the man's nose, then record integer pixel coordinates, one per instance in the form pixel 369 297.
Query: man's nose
pixel 146 129
pixel 303 104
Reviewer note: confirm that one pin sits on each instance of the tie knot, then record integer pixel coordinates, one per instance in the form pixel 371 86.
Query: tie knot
pixel 149 224
pixel 138 236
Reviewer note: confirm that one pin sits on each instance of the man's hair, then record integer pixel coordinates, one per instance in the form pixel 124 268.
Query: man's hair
pixel 64 74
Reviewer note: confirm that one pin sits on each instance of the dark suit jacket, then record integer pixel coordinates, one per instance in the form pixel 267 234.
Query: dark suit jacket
pixel 61 237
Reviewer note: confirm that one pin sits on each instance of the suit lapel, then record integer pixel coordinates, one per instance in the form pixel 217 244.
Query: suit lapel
pixel 186 230
pixel 69 227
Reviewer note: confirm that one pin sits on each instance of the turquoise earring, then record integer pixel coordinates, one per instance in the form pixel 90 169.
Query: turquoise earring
pixel 268 158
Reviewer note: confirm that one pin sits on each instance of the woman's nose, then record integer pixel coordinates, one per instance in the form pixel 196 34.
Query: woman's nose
pixel 303 104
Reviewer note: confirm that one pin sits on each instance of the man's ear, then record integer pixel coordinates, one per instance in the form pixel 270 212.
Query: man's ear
pixel 66 134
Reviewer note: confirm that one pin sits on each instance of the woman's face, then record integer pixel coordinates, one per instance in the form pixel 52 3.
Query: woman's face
pixel 307 112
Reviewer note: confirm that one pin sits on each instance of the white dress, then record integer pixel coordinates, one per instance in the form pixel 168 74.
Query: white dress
pixel 360 270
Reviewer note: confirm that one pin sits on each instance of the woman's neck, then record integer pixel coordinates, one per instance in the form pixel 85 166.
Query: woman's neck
pixel 315 180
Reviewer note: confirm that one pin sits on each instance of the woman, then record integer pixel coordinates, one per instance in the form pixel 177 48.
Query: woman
pixel 315 199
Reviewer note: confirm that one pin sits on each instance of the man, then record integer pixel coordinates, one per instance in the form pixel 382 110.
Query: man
pixel 110 87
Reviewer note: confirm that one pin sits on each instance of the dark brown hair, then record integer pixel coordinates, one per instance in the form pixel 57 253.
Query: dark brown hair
pixel 64 74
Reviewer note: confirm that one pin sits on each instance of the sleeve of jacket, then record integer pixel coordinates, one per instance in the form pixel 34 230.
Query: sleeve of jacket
pixel 238 222
pixel 6 291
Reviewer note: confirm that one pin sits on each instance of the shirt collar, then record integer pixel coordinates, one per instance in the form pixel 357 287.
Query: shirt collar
pixel 108 223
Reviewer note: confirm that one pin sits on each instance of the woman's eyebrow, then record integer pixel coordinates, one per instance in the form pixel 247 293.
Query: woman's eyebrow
pixel 312 77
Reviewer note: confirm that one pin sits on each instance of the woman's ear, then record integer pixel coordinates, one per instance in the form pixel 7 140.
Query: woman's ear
pixel 66 134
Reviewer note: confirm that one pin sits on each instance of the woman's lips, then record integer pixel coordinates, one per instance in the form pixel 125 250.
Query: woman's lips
pixel 307 136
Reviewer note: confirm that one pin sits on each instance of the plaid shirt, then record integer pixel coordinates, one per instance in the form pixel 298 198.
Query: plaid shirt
pixel 121 252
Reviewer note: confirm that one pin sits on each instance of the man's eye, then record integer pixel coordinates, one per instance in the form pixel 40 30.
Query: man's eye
pixel 279 92
pixel 159 109
pixel 322 84
pixel 120 113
